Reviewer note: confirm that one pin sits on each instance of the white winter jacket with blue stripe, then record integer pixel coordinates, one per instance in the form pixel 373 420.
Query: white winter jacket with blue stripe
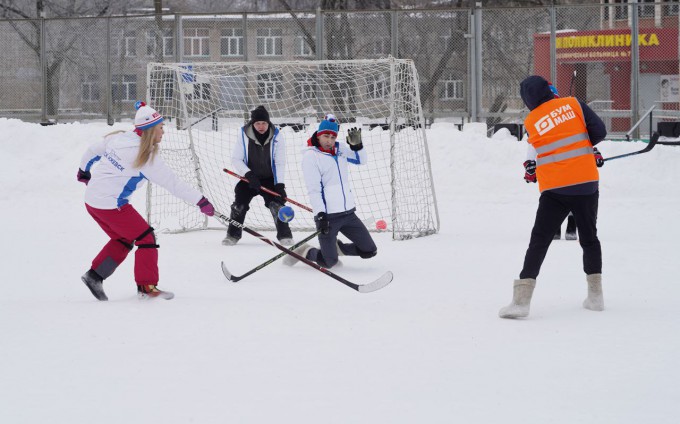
pixel 114 179
pixel 327 177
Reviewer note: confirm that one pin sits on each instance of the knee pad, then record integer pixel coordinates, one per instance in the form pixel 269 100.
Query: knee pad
pixel 129 246
pixel 366 255
pixel 144 244
pixel 238 210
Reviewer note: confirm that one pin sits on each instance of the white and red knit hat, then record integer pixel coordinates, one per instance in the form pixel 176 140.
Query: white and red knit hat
pixel 146 116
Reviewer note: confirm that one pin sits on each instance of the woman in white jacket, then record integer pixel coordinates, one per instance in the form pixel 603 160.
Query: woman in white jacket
pixel 324 165
pixel 124 161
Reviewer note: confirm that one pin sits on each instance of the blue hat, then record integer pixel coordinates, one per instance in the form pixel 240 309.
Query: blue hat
pixel 328 126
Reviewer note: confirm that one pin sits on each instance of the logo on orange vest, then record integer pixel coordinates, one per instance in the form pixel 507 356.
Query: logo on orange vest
pixel 554 118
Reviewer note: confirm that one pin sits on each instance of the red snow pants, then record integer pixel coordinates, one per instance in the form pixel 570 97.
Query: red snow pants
pixel 126 226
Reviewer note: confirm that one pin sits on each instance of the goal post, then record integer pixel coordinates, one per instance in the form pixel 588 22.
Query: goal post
pixel 206 104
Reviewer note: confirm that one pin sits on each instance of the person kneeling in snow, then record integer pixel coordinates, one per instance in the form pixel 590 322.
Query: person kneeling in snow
pixel 324 165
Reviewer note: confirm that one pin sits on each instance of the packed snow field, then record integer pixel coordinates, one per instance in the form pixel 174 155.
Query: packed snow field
pixel 291 345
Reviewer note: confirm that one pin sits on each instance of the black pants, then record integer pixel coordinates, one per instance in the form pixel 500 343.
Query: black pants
pixel 243 194
pixel 552 209
pixel 352 228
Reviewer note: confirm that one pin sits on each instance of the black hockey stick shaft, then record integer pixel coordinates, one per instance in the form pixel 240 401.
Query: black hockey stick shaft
pixel 652 142
pixel 378 284
pixel 235 278
pixel 266 190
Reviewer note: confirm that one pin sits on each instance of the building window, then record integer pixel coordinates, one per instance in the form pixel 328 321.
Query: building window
pixel 302 47
pixel 166 43
pixel 270 42
pixel 196 42
pixel 269 86
pixel 124 44
pixel 130 44
pixel 621 11
pixel 671 9
pixel 91 89
pixel 452 89
pixel 231 42
pixel 338 46
pixel 377 88
pixel 305 86
pixel 646 10
pixel 198 91
pixel 163 88
pixel 124 88
pixel 381 46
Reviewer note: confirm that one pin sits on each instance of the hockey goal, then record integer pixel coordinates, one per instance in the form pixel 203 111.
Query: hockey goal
pixel 205 105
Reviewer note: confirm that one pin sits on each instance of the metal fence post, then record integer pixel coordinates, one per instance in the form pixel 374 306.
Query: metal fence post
pixel 634 68
pixel 553 45
pixel 319 34
pixel 107 85
pixel 472 96
pixel 394 33
pixel 244 23
pixel 179 38
pixel 43 70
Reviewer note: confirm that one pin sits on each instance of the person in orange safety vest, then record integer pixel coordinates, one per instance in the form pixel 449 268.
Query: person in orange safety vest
pixel 563 131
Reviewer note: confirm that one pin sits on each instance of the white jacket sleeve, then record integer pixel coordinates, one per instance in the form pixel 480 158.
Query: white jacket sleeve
pixel 531 153
pixel 158 172
pixel 93 153
pixel 359 157
pixel 239 154
pixel 312 175
pixel 279 158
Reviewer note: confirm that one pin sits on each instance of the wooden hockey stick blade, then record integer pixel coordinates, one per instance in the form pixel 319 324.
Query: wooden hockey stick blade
pixel 378 284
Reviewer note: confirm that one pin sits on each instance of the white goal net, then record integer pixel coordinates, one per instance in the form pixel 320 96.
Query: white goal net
pixel 206 104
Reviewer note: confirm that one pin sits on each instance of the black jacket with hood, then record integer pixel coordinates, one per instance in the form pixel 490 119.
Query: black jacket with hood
pixel 535 91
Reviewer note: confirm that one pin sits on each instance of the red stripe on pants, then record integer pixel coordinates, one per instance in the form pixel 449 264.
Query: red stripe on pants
pixel 126 224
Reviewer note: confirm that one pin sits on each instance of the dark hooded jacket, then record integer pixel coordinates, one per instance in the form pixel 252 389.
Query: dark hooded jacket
pixel 535 91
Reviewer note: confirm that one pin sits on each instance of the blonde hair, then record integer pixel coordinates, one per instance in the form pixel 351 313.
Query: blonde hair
pixel 147 148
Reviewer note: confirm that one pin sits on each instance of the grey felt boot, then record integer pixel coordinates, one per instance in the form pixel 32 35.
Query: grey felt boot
pixel 521 298
pixel 595 300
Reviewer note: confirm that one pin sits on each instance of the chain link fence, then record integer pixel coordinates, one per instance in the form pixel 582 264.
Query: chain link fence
pixel 470 60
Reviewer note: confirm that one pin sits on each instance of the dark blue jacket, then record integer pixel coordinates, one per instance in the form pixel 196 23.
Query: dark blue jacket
pixel 535 91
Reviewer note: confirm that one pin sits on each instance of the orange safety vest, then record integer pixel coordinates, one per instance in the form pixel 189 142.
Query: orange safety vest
pixel 558 132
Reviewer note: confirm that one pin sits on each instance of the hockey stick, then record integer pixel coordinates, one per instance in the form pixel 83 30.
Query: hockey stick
pixel 235 278
pixel 381 282
pixel 266 190
pixel 652 142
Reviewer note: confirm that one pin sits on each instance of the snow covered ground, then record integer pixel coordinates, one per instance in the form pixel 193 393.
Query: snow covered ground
pixel 291 345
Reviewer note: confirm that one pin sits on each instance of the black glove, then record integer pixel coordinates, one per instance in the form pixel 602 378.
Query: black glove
pixel 354 139
pixel 84 176
pixel 530 171
pixel 322 224
pixel 253 181
pixel 280 188
pixel 599 160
